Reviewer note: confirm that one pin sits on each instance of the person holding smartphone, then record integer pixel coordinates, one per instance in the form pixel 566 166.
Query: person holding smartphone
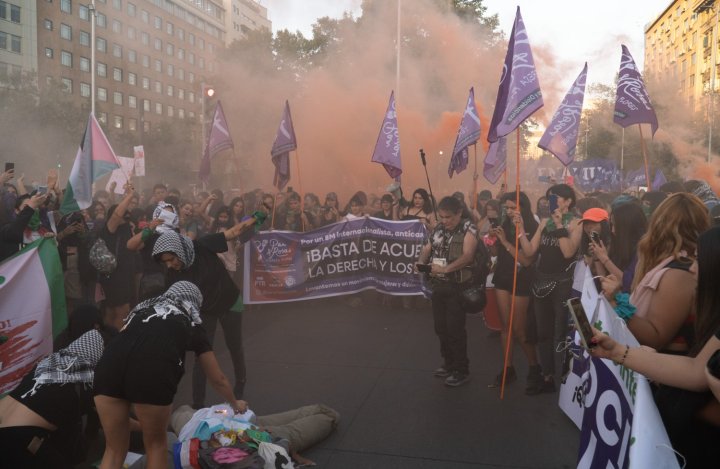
pixel 596 232
pixel 555 244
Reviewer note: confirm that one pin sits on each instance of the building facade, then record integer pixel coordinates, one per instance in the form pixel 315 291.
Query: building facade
pixel 152 56
pixel 243 16
pixel 18 35
pixel 681 46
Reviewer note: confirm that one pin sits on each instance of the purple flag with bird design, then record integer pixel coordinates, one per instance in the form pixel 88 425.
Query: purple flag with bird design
pixel 495 160
pixel 560 137
pixel 632 102
pixel 468 134
pixel 387 147
pixel 285 142
pixel 519 92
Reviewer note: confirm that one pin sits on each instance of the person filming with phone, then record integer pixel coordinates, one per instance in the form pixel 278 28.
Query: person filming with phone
pixel 448 255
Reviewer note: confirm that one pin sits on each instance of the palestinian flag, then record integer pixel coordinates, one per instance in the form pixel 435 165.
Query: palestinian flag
pixel 32 296
pixel 95 158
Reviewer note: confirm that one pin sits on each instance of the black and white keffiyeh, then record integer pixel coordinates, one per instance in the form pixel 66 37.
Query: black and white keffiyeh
pixel 175 243
pixel 73 364
pixel 182 298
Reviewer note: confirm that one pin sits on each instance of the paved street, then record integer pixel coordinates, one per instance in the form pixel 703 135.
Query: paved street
pixel 373 365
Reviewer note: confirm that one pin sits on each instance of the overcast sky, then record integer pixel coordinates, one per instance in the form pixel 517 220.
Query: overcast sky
pixel 576 30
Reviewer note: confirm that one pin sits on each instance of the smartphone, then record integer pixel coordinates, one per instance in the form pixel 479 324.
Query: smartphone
pixel 595 236
pixel 598 284
pixel 582 324
pixel 42 190
pixel 9 167
pixel 424 268
pixel 494 222
pixel 552 203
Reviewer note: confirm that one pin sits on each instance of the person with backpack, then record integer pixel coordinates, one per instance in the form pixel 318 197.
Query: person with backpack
pixel 451 252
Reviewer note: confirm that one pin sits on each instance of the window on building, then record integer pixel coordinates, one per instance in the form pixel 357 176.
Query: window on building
pixel 191 58
pixel 131 9
pixel 158 108
pixel 181 54
pixel 102 94
pixel 47 24
pixel 132 56
pixel 66 58
pixel 14 13
pixel 157 22
pixel 131 79
pixel 146 83
pixel 117 74
pixel 181 93
pixel 85 90
pixel 146 61
pixel 181 34
pixel 146 126
pixel 201 43
pixel 131 33
pixel 181 74
pixel 116 26
pixel 201 62
pixel 170 69
pixel 132 101
pixel 158 87
pixel 101 69
pixel 693 59
pixel 191 77
pixel 117 4
pixel 158 66
pixel 102 118
pixel 101 20
pixel 146 105
pixel 132 124
pixel 84 12
pixel 181 113
pixel 66 6
pixel 170 90
pixel 191 39
pixel 145 16
pixel 84 64
pixel 101 44
pixel 191 115
pixel 169 28
pixel 170 111
pixel 65 31
pixel 84 38
pixel 48 53
pixel 118 98
pixel 117 51
pixel 191 96
pixel 169 49
pixel 3 40
pixel 158 44
pixel 67 85
pixel 118 122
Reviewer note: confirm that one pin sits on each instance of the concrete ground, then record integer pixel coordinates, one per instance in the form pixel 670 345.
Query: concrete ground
pixel 373 365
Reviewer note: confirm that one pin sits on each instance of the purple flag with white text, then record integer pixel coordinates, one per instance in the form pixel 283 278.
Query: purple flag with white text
pixel 659 180
pixel 285 142
pixel 519 92
pixel 387 147
pixel 468 134
pixel 560 137
pixel 218 139
pixel 632 102
pixel 495 160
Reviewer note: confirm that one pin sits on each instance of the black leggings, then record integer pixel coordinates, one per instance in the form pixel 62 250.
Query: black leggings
pixel 14 451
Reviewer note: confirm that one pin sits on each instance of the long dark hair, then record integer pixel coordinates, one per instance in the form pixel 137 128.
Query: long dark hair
pixel 232 209
pixel 630 225
pixel 216 224
pixel 427 206
pixel 605 237
pixel 525 212
pixel 564 191
pixel 707 321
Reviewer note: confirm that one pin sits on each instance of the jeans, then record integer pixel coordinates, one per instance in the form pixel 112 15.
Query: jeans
pixel 449 319
pixel 231 323
pixel 551 315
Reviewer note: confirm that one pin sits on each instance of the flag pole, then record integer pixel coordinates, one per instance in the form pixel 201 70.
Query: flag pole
pixel 272 222
pixel 622 158
pixel 302 194
pixel 473 194
pixel 515 264
pixel 645 158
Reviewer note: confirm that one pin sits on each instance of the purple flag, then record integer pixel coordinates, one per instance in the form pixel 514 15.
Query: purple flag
pixel 560 137
pixel 495 160
pixel 468 134
pixel 519 91
pixel 632 103
pixel 636 178
pixel 218 139
pixel 659 180
pixel 387 147
pixel 285 142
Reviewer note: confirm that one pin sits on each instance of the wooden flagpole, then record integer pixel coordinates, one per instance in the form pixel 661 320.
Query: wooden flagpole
pixel 515 265
pixel 648 182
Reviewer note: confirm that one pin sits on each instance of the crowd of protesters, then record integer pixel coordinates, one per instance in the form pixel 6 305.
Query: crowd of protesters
pixel 179 254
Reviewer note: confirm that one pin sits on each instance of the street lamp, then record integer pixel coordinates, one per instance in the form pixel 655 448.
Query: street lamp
pixel 208 91
pixel 93 13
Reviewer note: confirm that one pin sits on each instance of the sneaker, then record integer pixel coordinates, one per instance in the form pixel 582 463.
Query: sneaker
pixel 510 376
pixel 441 372
pixel 456 379
pixel 534 381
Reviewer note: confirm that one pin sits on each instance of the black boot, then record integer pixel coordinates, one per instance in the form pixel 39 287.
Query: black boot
pixel 534 381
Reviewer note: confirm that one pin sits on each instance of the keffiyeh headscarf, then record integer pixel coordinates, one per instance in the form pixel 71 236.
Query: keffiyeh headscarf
pixel 171 221
pixel 705 193
pixel 175 243
pixel 182 298
pixel 73 364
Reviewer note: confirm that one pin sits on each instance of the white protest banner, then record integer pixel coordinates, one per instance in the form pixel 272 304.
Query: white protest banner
pixel 139 155
pixel 120 176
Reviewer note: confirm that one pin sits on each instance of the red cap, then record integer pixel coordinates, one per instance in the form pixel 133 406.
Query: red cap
pixel 596 215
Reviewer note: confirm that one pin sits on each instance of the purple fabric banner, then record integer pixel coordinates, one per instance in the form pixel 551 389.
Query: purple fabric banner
pixel 495 160
pixel 285 142
pixel 468 134
pixel 338 259
pixel 632 102
pixel 218 139
pixel 560 137
pixel 519 91
pixel 636 178
pixel 659 180
pixel 387 147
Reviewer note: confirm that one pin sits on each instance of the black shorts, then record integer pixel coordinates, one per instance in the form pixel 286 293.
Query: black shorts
pixel 139 368
pixel 505 282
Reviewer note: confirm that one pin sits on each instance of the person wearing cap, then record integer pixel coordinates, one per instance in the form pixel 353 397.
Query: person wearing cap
pixel 596 231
